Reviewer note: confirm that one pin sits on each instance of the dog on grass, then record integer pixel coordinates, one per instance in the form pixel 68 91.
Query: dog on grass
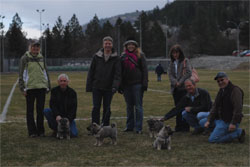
pixel 154 126
pixel 63 129
pixel 163 139
pixel 101 132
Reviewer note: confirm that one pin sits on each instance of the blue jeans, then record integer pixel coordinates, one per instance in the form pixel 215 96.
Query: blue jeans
pixel 133 96
pixel 158 77
pixel 191 119
pixel 98 96
pixel 221 134
pixel 202 117
pixel 53 124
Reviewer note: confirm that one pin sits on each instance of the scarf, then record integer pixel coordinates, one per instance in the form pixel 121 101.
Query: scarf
pixel 128 62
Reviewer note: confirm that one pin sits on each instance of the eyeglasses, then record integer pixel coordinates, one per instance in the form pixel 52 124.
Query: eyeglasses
pixel 221 80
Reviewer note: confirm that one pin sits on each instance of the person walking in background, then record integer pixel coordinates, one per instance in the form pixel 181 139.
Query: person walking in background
pixel 63 104
pixel 178 73
pixel 103 80
pixel 34 83
pixel 159 71
pixel 226 112
pixel 134 83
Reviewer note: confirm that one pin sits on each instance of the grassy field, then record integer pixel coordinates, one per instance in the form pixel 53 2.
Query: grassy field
pixel 132 149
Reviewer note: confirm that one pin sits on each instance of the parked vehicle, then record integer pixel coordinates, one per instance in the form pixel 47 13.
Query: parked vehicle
pixel 245 53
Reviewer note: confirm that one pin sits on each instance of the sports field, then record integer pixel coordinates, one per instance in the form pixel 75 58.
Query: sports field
pixel 132 149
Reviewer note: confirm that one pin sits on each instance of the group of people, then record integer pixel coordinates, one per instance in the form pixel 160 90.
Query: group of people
pixel 127 74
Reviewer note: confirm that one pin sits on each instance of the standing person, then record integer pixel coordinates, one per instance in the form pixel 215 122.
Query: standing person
pixel 226 112
pixel 63 104
pixel 178 73
pixel 159 71
pixel 134 83
pixel 34 82
pixel 103 80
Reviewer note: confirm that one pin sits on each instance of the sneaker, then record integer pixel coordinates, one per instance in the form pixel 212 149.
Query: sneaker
pixel 139 132
pixel 198 131
pixel 242 136
pixel 41 135
pixel 127 130
pixel 206 132
pixel 33 135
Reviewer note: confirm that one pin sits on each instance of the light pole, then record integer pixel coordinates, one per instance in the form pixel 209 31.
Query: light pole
pixel 118 34
pixel 40 12
pixel 140 34
pixel 2 44
pixel 45 44
pixel 166 38
pixel 238 34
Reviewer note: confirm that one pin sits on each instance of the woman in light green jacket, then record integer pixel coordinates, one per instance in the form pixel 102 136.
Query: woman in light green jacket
pixel 34 83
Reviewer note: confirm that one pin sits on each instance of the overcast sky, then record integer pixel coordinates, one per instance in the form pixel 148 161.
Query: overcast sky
pixel 84 10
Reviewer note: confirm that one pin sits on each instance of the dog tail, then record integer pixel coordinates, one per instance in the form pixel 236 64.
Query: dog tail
pixel 113 125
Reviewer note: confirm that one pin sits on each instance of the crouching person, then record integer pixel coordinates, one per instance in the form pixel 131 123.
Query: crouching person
pixel 63 104
pixel 226 112
pixel 195 101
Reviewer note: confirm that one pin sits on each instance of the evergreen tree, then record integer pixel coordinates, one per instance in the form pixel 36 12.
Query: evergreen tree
pixel 16 40
pixel 57 35
pixel 244 35
pixel 93 36
pixel 157 43
pixel 73 37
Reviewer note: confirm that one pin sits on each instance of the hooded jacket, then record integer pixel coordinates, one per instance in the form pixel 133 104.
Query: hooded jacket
pixel 103 74
pixel 33 73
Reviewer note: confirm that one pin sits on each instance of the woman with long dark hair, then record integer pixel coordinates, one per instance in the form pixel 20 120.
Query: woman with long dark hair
pixel 179 70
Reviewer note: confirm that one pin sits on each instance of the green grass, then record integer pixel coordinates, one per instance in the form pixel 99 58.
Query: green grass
pixel 132 149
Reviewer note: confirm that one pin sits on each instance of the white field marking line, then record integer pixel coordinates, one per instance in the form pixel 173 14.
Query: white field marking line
pixel 87 119
pixel 162 91
pixel 5 109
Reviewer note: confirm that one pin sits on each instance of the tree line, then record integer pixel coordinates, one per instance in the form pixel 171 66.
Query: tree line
pixel 201 27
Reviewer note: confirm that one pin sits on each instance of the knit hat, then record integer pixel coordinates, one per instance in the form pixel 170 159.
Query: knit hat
pixel 130 40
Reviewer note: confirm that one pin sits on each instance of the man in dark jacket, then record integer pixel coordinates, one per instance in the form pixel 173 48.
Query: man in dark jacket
pixel 196 100
pixel 103 80
pixel 63 104
pixel 226 112
pixel 159 71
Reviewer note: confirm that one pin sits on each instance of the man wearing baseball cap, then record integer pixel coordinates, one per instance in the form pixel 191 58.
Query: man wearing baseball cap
pixel 226 112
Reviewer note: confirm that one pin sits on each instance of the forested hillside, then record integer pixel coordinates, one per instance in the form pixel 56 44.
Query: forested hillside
pixel 201 27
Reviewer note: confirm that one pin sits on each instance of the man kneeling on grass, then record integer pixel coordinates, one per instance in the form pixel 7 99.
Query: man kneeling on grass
pixel 226 112
pixel 63 104
pixel 195 101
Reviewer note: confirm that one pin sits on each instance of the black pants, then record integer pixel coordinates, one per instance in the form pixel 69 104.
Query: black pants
pixel 99 96
pixel 39 96
pixel 181 125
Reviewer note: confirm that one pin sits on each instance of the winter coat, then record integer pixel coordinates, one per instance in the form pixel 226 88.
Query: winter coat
pixel 228 105
pixel 202 103
pixel 139 75
pixel 33 73
pixel 103 74
pixel 180 76
pixel 63 103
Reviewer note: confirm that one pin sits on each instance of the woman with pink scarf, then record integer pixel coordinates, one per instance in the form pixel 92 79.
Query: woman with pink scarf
pixel 134 83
